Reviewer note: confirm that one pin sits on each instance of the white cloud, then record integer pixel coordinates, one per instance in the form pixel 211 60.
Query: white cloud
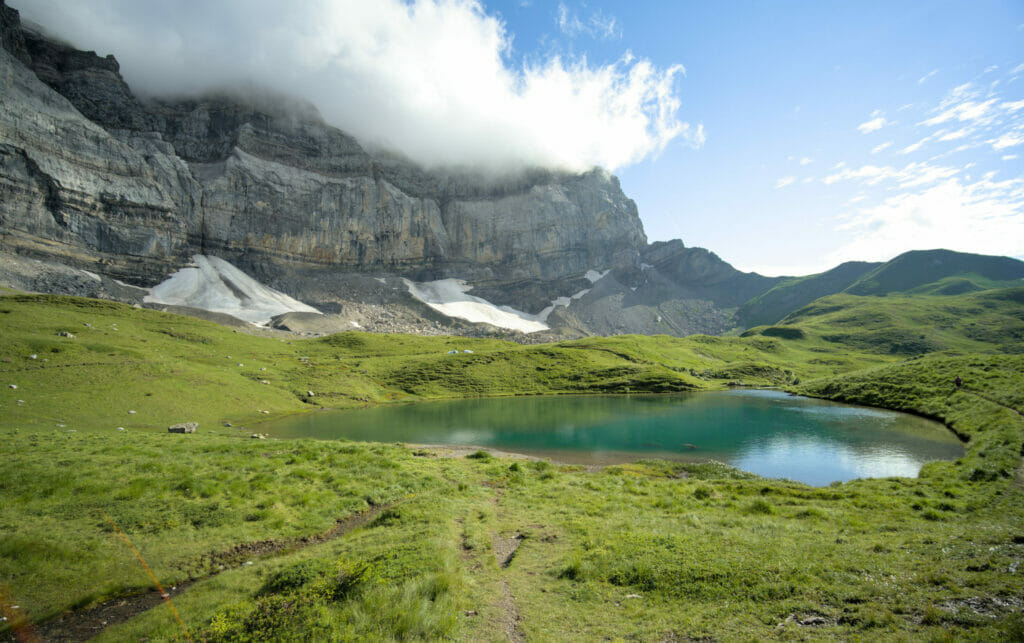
pixel 984 216
pixel 434 79
pixel 922 79
pixel 914 146
pixel 883 146
pixel 784 181
pixel 964 111
pixel 958 134
pixel 875 124
pixel 911 175
pixel 1010 139
pixel 1009 157
pixel 1019 69
pixel 598 25
pixel 806 161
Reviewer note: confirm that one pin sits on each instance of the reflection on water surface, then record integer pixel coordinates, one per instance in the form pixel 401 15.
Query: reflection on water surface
pixel 767 432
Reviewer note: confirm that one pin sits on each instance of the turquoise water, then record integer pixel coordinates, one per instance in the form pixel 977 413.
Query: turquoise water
pixel 769 433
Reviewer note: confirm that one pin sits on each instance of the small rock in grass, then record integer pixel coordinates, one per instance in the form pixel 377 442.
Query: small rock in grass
pixel 264 381
pixel 13 386
pixel 183 427
pixel 240 365
pixel 263 368
pixel 258 436
pixel 632 596
pixel 120 428
pixel 21 401
pixel 131 412
pixel 33 356
pixel 227 424
pixel 65 333
pixel 310 394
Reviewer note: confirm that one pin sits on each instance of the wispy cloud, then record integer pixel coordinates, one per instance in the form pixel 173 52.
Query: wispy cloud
pixel 965 111
pixel 599 25
pixel 922 79
pixel 911 175
pixel 876 123
pixel 984 216
pixel 977 206
pixel 913 147
pixel 806 160
pixel 784 181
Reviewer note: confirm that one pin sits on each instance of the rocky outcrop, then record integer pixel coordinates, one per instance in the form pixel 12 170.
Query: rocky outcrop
pixel 94 177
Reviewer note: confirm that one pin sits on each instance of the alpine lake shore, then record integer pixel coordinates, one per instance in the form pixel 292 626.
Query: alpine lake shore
pixel 258 539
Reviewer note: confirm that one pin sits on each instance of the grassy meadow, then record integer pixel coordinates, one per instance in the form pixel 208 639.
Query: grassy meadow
pixel 481 548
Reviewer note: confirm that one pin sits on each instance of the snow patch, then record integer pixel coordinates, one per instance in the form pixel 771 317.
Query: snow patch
pixel 448 297
pixel 381 279
pixel 560 301
pixel 595 276
pixel 645 266
pixel 92 275
pixel 121 283
pixel 356 324
pixel 210 283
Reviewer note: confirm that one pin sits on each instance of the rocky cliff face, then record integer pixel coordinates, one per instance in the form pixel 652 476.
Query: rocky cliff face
pixel 98 179
pixel 113 189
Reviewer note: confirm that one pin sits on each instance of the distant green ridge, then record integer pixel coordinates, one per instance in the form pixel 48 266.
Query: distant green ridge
pixel 795 292
pixel 919 268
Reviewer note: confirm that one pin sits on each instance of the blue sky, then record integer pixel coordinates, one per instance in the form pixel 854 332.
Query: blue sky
pixel 811 111
pixel 785 136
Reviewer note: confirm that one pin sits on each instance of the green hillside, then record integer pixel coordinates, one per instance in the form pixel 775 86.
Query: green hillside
pixel 302 539
pixel 920 272
pixel 918 268
pixel 771 306
pixel 988 321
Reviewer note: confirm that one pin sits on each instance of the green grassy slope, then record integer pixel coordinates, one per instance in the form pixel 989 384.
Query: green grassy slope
pixel 796 292
pixel 988 321
pixel 917 268
pixel 920 272
pixel 654 551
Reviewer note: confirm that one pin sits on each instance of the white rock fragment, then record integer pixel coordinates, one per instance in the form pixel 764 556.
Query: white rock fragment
pixel 13 386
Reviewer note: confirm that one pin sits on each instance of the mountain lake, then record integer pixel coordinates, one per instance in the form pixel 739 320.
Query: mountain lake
pixel 770 433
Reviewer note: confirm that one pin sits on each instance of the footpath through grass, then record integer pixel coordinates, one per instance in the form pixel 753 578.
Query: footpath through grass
pixel 482 548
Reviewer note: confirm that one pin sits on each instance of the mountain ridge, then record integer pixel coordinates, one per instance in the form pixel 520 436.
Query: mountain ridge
pixel 94 179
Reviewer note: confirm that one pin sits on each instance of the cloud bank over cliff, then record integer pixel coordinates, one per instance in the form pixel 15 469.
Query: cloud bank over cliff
pixel 433 79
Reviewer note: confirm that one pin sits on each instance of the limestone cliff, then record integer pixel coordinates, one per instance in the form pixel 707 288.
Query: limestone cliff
pixel 98 179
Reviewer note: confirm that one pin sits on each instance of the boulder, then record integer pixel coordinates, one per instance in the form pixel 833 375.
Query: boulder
pixel 184 427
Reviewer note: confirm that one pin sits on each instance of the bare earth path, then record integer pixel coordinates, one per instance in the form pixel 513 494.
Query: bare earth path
pixel 82 625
